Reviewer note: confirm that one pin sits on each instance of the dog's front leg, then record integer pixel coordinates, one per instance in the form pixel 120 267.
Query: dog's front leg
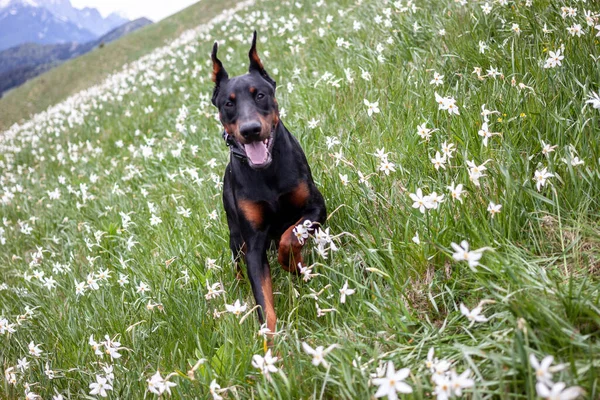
pixel 290 247
pixel 259 274
pixel 254 231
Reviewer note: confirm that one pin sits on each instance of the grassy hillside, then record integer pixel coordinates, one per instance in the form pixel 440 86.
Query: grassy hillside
pixel 79 74
pixel 22 63
pixel 459 160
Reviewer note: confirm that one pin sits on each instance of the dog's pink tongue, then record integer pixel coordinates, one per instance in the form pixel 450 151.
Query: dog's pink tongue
pixel 256 152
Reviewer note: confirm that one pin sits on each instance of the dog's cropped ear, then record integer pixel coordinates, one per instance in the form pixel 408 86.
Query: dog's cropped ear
pixel 256 64
pixel 219 74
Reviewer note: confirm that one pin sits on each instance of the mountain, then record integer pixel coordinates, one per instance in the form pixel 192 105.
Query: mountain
pixel 51 21
pixel 21 63
pixel 87 18
pixel 24 21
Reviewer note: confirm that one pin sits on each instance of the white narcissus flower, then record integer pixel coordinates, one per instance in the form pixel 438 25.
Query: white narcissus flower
pixel 541 177
pixel 474 315
pixel 393 383
pixel 460 382
pixel 214 390
pixel 544 369
pixel 236 308
pixel 558 391
pixel 301 233
pixel 100 386
pixel 421 202
pixel 594 98
pixel 456 191
pixel 462 253
pixel 439 161
pixel 34 349
pixel 494 208
pixel 372 108
pixel 159 385
pixel 318 354
pixel 345 291
pixel 265 364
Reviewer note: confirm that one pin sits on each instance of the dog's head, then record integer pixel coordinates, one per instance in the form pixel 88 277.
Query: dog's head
pixel 247 107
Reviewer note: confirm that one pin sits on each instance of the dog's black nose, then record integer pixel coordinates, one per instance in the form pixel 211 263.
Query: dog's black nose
pixel 250 130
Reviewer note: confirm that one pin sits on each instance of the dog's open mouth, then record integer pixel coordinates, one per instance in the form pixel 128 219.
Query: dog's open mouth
pixel 259 153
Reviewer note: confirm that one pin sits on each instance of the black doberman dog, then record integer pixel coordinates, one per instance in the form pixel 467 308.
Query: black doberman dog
pixel 268 187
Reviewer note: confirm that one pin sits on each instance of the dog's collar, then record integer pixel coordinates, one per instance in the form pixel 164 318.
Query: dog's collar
pixel 234 147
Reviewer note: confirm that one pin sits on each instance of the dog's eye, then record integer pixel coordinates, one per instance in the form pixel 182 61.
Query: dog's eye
pixel 260 96
pixel 229 104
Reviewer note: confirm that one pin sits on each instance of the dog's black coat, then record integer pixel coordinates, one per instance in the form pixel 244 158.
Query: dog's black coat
pixel 263 201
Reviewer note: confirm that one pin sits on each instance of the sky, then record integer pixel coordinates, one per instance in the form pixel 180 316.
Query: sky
pixel 132 9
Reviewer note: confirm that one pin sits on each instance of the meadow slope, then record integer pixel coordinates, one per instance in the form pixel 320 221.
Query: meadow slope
pixel 92 68
pixel 458 154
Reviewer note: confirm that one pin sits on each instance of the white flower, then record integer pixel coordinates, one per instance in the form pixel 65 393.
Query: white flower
pixel 437 79
pixel 456 191
pixel 265 364
pixel 544 369
pixel 486 8
pixel 214 389
pixel 95 346
pixel 34 349
pixel 158 385
pixel 554 59
pixel 485 133
pixel 306 272
pixel 594 98
pixel 547 148
pixel 372 108
pixel 439 161
pixel 447 103
pixel 424 132
pixel 460 382
pixel 22 364
pixel 462 253
pixel 494 208
pixel 392 383
pixel 448 149
pixel 213 291
pixel 344 179
pixel 155 220
pixel 416 239
pixel 236 308
pixel 558 392
pixel 473 315
pixel 345 291
pixel 318 354
pixel 142 288
pixel 387 167
pixel 301 233
pixel 575 29
pixel 100 386
pixel 6 327
pixel 421 202
pixel 541 177
pixel 443 386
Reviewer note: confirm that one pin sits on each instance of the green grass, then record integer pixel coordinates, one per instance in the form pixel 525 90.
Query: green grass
pixel 90 69
pixel 539 281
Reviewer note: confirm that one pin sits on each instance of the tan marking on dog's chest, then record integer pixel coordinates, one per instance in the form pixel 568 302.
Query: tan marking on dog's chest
pixel 299 195
pixel 253 212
